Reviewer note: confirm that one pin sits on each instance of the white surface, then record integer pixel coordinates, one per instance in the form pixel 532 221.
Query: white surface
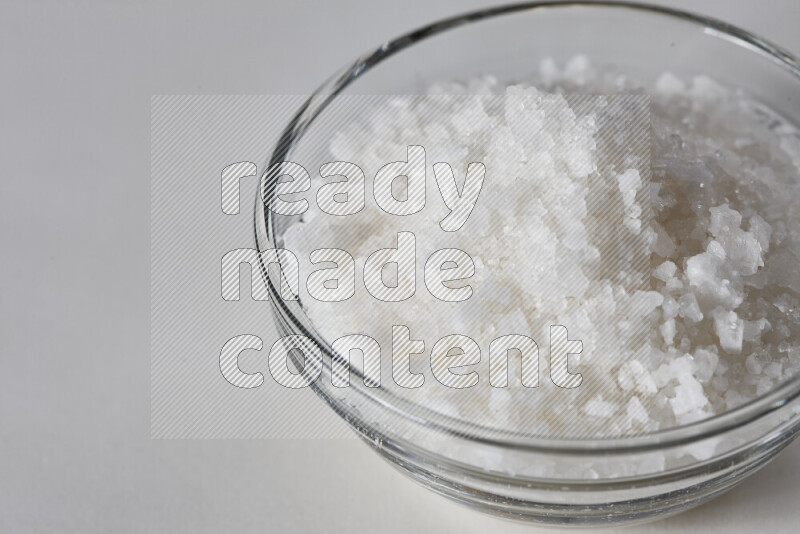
pixel 75 454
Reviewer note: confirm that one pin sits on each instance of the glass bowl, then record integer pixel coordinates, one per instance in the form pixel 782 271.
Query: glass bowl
pixel 571 481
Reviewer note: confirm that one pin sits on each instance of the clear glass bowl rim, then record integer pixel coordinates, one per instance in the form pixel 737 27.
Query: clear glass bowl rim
pixel 673 436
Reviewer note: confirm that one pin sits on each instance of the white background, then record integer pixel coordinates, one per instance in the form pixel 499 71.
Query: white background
pixel 75 453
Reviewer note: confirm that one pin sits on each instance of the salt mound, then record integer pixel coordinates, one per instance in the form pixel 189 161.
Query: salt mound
pixel 723 291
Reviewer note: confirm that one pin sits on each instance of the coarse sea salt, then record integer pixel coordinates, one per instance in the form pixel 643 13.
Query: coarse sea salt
pixel 723 292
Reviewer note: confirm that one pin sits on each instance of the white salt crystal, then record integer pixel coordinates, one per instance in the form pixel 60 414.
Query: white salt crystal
pixel 752 365
pixel 645 302
pixel 753 329
pixel 674 370
pixel 667 330
pixel 670 85
pixel 665 271
pixel 706 92
pixel 706 364
pixel 761 230
pixel 577 69
pixel 670 308
pixel 729 329
pixel 633 225
pixel 674 284
pixel 689 308
pixel 716 250
pixel 702 269
pixel 629 184
pixel 662 242
pixel 702 272
pixel 744 251
pixel 724 220
pixel 633 376
pixel 689 396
